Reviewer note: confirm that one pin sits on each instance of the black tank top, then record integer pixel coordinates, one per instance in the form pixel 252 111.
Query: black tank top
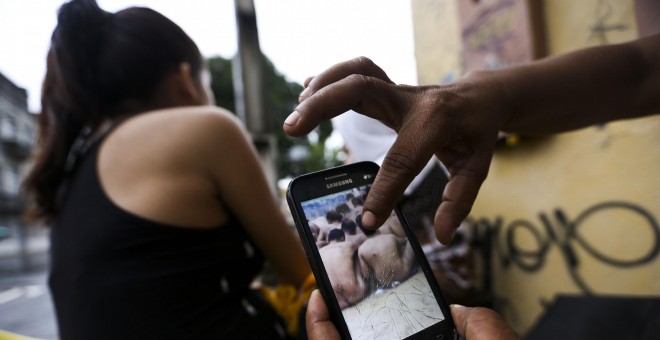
pixel 115 275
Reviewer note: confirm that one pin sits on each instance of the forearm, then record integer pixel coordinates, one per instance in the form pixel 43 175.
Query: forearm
pixel 582 88
pixel 290 263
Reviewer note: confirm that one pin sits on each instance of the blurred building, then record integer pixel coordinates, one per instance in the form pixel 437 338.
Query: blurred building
pixel 17 139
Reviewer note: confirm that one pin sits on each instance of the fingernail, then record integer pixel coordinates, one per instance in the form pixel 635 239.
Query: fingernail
pixel 369 219
pixel 305 92
pixel 292 119
pixel 456 306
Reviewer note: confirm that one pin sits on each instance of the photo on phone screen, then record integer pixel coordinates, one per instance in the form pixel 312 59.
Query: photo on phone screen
pixel 377 280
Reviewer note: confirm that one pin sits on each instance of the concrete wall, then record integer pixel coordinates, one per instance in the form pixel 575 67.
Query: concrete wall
pixel 575 213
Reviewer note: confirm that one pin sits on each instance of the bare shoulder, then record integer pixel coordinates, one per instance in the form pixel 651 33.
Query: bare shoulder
pixel 186 135
pixel 188 126
pixel 212 116
pixel 214 129
pixel 200 118
pixel 157 164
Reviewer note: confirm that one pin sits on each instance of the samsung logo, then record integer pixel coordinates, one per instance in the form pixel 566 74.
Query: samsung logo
pixel 338 183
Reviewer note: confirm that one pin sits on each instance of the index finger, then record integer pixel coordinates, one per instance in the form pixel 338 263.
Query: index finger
pixel 341 88
pixel 408 155
pixel 360 65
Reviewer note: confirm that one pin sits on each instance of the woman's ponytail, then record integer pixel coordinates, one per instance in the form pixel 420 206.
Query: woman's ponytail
pixel 70 98
pixel 77 44
pixel 101 67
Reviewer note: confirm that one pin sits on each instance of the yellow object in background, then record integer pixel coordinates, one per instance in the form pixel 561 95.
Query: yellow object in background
pixel 4 335
pixel 288 301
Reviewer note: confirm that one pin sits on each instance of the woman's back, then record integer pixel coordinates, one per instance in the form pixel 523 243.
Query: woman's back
pixel 156 165
pixel 160 226
pixel 130 257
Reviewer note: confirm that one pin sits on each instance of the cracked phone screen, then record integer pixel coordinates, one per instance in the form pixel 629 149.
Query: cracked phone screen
pixel 379 286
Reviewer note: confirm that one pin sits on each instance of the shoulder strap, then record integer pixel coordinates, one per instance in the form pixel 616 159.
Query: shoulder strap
pixel 85 140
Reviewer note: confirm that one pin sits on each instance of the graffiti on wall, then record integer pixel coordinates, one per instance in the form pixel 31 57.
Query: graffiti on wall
pixel 497 33
pixel 499 239
pixel 603 24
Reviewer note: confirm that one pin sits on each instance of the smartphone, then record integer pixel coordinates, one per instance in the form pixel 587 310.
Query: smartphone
pixel 376 284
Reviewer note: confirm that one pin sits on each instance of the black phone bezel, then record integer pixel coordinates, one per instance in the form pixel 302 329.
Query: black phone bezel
pixel 327 182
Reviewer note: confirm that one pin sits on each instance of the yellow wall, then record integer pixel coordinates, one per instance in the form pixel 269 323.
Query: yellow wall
pixel 576 24
pixel 614 168
pixel 437 40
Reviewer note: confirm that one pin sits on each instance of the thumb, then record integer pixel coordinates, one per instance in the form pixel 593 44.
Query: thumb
pixel 319 326
pixel 478 323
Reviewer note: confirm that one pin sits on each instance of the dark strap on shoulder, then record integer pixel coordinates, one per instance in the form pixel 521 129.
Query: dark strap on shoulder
pixel 85 140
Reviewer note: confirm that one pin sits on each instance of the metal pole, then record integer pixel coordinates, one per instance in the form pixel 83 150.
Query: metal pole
pixel 248 70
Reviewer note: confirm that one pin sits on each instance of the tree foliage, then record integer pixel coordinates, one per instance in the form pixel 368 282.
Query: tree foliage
pixel 281 99
pixel 222 83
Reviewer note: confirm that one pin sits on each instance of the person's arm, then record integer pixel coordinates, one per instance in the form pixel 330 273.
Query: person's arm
pixel 459 122
pixel 235 169
pixel 581 88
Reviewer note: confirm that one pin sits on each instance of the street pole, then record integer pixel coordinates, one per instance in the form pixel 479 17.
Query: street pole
pixel 248 71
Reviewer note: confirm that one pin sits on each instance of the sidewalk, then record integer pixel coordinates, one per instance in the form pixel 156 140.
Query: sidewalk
pixel 25 304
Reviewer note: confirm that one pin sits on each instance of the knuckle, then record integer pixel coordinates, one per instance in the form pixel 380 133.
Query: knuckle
pixel 360 80
pixel 364 62
pixel 477 173
pixel 461 207
pixel 364 85
pixel 401 165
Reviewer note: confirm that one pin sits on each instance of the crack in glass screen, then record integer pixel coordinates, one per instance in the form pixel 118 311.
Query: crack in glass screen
pixel 380 288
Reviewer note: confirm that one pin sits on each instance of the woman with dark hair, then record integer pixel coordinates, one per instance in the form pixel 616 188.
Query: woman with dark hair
pixel 149 189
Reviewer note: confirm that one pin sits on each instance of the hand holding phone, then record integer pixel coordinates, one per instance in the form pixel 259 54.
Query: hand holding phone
pixel 473 323
pixel 377 283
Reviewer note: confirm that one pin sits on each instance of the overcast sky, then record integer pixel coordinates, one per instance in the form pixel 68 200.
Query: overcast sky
pixel 301 37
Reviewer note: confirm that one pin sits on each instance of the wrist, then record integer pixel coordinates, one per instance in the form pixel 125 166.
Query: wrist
pixel 491 89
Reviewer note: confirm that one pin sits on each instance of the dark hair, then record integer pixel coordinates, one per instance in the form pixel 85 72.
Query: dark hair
pixel 348 226
pixel 356 201
pixel 333 216
pixel 101 66
pixel 349 196
pixel 336 235
pixel 343 208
